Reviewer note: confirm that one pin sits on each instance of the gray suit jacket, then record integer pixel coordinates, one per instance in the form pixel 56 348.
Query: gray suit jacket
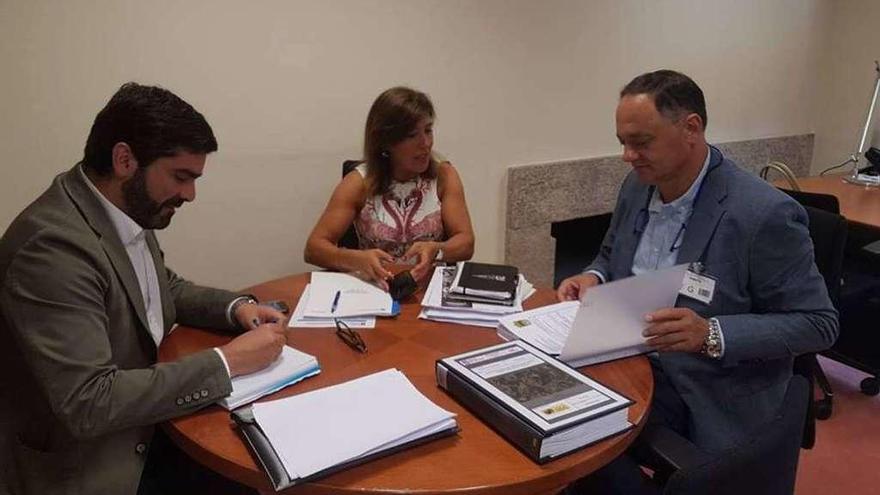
pixel 769 297
pixel 79 361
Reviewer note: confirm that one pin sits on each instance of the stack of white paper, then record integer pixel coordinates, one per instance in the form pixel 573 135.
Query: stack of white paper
pixel 291 367
pixel 335 295
pixel 438 308
pixel 300 320
pixel 317 430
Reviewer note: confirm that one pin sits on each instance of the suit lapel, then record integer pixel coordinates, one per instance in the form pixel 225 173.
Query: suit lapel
pixel 708 211
pixel 96 216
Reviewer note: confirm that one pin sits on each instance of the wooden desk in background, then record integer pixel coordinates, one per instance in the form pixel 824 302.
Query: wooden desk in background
pixel 477 461
pixel 859 204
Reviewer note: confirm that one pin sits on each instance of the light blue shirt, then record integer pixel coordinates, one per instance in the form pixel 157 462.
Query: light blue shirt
pixel 666 227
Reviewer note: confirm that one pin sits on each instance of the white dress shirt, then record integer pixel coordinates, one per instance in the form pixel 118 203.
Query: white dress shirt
pixel 134 240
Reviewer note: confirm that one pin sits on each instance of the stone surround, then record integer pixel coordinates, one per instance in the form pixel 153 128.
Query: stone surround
pixel 540 194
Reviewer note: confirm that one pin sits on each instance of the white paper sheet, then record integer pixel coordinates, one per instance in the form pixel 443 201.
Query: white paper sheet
pixel 611 318
pixel 546 327
pixel 356 297
pixel 299 320
pixel 320 429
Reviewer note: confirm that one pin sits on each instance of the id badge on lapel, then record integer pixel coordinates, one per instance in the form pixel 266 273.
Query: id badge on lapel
pixel 697 284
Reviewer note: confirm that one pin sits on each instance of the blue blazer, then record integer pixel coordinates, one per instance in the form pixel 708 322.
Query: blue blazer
pixel 769 297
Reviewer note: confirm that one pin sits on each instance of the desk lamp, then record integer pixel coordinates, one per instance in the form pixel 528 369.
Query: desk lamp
pixel 855 177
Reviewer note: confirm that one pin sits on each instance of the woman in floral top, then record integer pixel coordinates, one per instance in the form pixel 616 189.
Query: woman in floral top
pixel 405 201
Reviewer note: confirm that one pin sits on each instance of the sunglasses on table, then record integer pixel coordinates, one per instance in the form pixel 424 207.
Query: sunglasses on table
pixel 349 336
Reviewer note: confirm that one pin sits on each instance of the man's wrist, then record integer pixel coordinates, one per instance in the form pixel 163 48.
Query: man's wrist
pixel 713 345
pixel 233 307
pixel 597 274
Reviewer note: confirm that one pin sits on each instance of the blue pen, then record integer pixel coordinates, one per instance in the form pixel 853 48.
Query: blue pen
pixel 335 301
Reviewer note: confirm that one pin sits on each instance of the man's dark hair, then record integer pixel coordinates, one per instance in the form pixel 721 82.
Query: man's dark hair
pixel 674 93
pixel 153 121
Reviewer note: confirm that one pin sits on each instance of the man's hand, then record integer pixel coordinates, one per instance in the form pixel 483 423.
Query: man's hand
pixel 254 349
pixel 369 263
pixel 676 329
pixel 572 288
pixel 250 316
pixel 426 251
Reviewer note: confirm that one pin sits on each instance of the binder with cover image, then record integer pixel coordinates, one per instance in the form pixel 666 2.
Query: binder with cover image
pixel 539 404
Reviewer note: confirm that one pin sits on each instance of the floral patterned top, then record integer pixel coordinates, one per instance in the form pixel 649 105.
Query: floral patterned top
pixel 409 212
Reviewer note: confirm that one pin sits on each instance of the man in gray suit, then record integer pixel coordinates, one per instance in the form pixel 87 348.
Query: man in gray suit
pixel 725 357
pixel 86 299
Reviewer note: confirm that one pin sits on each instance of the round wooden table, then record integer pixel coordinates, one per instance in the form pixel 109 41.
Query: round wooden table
pixel 476 461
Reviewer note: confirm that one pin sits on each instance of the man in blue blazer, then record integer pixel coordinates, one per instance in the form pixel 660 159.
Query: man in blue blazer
pixel 725 357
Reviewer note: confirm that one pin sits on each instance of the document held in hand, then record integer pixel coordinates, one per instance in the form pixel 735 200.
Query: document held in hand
pixel 540 405
pixel 611 318
pixel 291 367
pixel 606 324
pixel 307 436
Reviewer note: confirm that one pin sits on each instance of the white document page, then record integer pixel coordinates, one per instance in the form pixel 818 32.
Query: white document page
pixel 611 318
pixel 316 430
pixel 291 367
pixel 458 321
pixel 356 297
pixel 299 320
pixel 546 327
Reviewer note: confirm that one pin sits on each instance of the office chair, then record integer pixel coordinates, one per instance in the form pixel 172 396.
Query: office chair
pixel 808 365
pixel 765 462
pixel 350 238
pixel 828 231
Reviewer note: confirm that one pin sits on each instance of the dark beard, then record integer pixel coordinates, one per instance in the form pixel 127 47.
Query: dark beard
pixel 141 207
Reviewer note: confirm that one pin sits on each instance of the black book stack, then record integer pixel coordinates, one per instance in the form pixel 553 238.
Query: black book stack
pixel 484 283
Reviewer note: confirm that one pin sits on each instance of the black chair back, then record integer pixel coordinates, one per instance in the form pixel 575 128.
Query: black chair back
pixel 350 238
pixel 827 202
pixel 828 232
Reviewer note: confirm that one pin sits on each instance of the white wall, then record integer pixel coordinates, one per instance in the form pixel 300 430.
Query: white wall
pixel 287 85
pixel 847 77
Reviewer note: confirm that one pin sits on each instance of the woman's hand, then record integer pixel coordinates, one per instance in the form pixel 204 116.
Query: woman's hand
pixel 426 251
pixel 369 263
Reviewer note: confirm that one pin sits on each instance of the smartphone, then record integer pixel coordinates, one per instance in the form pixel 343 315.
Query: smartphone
pixel 277 305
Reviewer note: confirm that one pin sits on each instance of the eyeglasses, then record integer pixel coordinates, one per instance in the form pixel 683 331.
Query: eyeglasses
pixel 349 336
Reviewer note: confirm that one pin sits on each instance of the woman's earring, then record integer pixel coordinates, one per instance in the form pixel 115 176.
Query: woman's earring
pixel 384 154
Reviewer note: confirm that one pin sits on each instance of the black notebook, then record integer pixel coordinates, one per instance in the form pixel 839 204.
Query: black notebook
pixel 539 404
pixel 485 281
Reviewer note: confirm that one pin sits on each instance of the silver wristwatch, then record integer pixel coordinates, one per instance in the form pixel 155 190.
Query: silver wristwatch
pixel 712 344
pixel 233 306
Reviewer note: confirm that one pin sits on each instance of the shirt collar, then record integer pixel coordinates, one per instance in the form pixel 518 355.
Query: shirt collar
pixel 128 230
pixel 686 200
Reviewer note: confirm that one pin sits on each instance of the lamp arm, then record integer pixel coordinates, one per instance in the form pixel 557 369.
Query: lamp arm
pixel 861 147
